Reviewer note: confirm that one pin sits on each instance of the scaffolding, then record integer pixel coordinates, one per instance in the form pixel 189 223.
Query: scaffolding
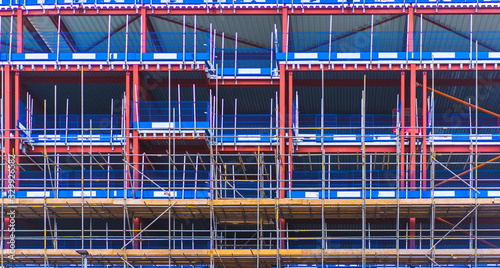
pixel 168 140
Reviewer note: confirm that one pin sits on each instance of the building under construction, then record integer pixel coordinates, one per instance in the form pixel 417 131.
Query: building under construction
pixel 242 133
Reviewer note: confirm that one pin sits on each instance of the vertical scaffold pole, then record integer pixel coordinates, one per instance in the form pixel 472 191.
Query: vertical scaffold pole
pixel 170 126
pixel 235 57
pixel 109 38
pixel 179 108
pixel 194 110
pixel 194 41
pixel 183 39
pixel 235 120
pixel 371 40
pixel 323 175
pixel 330 40
pixel 272 56
pixel 58 47
pixel 126 39
pixel 222 57
pixel 363 171
pixel 82 156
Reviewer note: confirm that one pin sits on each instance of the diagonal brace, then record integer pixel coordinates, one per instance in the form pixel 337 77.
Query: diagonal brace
pixel 151 223
pixel 455 176
pixel 454 227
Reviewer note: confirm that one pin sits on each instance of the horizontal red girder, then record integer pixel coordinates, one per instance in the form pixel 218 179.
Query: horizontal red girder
pixel 76 149
pixel 103 79
pixel 216 10
pixel 96 68
pixel 345 149
pixel 245 148
pixel 383 82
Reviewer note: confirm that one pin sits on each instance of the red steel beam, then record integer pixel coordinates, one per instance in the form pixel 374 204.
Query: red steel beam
pixel 465 148
pixel 107 68
pixel 66 34
pixel 77 149
pixel 301 149
pixel 261 11
pixel 103 79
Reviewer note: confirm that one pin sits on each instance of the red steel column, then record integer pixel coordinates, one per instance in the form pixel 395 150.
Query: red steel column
pixel 401 133
pixel 411 29
pixel 290 127
pixel 282 111
pixel 7 99
pixel 17 136
pixel 19 31
pixel 424 130
pixel 413 126
pixel 7 95
pixel 128 121
pixel 137 227
pixel 144 27
pixel 135 133
pixel 413 121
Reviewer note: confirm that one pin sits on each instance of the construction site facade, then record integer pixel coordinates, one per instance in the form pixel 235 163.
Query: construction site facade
pixel 250 133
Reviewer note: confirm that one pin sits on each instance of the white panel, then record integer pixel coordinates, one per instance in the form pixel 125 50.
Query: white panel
pixel 387 55
pixel 307 136
pixel 385 138
pixel 37 194
pixel 37 56
pixel 115 193
pixel 444 193
pixel 84 56
pixel 348 55
pixel 162 125
pixel 249 137
pixel 348 194
pixel 439 55
pixel 493 193
pixel 165 56
pixel 305 55
pixel 311 195
pixel 493 54
pixel 84 193
pixel 250 71
pixel 442 137
pixel 49 137
pixel 344 137
pixel 165 194
pixel 482 137
pixel 89 137
pixel 386 194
